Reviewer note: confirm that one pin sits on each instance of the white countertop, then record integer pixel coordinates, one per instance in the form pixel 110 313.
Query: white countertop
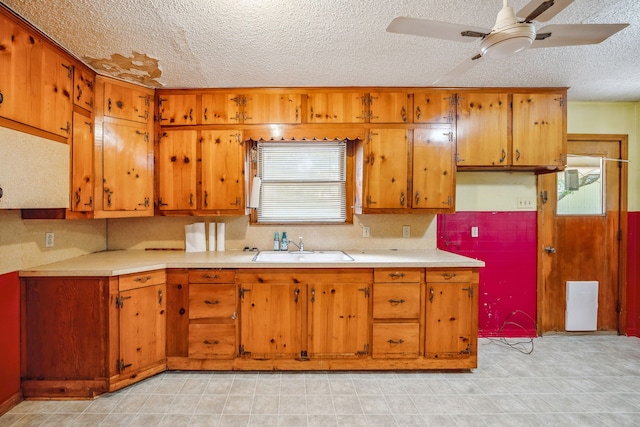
pixel 115 263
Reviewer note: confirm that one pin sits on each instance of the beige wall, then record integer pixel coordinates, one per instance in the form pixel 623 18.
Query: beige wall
pixel 386 233
pixel 22 242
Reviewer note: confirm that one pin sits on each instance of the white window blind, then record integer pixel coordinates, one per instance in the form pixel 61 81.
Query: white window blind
pixel 302 181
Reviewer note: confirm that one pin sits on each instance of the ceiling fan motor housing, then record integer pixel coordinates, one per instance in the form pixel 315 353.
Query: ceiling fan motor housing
pixel 507 41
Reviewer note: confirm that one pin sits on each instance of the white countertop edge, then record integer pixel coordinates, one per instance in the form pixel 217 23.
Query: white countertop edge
pixel 116 263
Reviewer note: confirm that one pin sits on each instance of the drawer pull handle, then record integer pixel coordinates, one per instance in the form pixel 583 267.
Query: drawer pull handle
pixel 214 342
pixel 396 301
pixel 211 302
pixel 400 341
pixel 207 276
pixel 142 279
pixel 234 316
pixel 396 275
pixel 448 276
pixel 431 294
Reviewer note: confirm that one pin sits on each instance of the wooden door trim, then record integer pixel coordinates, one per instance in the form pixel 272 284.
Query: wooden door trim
pixel 623 140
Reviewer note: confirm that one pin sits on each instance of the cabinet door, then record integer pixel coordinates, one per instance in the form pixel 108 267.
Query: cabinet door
pixel 539 130
pixel 127 170
pixel 483 129
pixel 434 107
pixel 82 175
pixel 177 170
pixel 142 327
pixel 177 109
pixel 433 168
pixel 126 102
pixel 222 170
pixel 20 83
pixel 386 169
pixel 271 319
pixel 338 319
pixel 220 108
pixel 57 87
pixel 336 107
pixel 449 319
pixel 83 88
pixel 388 107
pixel 272 108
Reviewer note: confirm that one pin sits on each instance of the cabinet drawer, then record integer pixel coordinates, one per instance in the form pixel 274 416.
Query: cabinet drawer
pixel 443 276
pixel 391 301
pixel 210 341
pixel 396 340
pixel 141 280
pixel 212 276
pixel 391 275
pixel 212 301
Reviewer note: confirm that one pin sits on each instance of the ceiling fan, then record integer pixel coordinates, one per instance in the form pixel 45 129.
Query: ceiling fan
pixel 510 34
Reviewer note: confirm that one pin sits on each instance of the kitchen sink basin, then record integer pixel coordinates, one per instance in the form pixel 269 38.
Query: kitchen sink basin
pixel 304 256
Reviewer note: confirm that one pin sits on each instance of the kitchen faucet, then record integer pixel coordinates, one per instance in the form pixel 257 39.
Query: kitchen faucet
pixel 299 245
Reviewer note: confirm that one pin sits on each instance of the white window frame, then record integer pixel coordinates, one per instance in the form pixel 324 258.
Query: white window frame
pixel 302 182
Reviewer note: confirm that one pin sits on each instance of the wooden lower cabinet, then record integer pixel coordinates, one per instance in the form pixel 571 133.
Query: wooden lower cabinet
pixel 451 314
pixel 83 336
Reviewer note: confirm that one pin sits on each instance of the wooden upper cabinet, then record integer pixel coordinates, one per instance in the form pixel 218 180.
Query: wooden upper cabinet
pixel 483 129
pixel 82 172
pixel 20 51
pixel 126 101
pixel 57 89
pixel 127 168
pixel 434 107
pixel 539 129
pixel 179 109
pixel 177 176
pixel 386 169
pixel 222 170
pixel 336 107
pixel 265 108
pixel 388 107
pixel 220 108
pixel 84 82
pixel 433 168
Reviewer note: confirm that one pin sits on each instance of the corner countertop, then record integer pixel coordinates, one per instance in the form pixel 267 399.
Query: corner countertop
pixel 115 263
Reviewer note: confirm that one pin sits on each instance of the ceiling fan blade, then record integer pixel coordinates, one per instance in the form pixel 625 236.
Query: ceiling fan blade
pixel 459 69
pixel 574 34
pixel 436 29
pixel 542 11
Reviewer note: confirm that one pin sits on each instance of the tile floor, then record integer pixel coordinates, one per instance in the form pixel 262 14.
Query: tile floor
pixel 565 381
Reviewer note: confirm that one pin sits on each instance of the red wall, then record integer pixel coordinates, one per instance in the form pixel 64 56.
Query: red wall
pixel 506 242
pixel 9 336
pixel 633 275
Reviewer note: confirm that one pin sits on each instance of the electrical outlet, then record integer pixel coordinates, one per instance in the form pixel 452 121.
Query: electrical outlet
pixel 366 231
pixel 48 239
pixel 406 231
pixel 474 231
pixel 526 203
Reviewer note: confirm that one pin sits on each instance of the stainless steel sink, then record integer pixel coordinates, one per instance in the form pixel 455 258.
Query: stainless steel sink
pixel 304 256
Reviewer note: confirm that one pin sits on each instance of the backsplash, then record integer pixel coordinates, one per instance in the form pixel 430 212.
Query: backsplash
pixel 385 233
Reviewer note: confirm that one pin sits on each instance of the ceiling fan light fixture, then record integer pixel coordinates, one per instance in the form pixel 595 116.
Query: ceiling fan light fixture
pixel 508 41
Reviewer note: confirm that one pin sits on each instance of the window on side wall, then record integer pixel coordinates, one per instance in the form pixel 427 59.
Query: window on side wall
pixel 303 182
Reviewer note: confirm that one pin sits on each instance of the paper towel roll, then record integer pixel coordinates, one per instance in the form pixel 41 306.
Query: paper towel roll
pixel 196 240
pixel 220 237
pixel 254 200
pixel 212 236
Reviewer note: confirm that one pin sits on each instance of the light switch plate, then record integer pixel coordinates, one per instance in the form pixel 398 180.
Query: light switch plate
pixel 366 231
pixel 474 231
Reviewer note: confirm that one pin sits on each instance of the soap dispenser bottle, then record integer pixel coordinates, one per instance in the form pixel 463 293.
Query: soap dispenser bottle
pixel 276 242
pixel 284 243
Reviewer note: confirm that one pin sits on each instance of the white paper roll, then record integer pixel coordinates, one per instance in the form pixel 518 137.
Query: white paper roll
pixel 195 238
pixel 220 237
pixel 254 200
pixel 212 236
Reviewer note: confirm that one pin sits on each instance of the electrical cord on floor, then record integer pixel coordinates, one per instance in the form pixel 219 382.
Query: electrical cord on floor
pixel 524 347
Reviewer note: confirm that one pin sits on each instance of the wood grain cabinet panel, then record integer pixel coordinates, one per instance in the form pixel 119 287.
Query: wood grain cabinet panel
pixel 220 108
pixel 336 107
pixel 82 170
pixel 211 341
pixel 393 340
pixel 177 170
pixel 396 301
pixel 212 301
pixel 435 107
pixel 176 110
pixel 127 102
pixel 389 107
pixel 223 162
pixel 272 108
pixel 386 169
pixel 433 174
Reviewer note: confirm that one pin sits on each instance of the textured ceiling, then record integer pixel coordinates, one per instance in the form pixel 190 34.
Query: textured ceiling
pixel 265 43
